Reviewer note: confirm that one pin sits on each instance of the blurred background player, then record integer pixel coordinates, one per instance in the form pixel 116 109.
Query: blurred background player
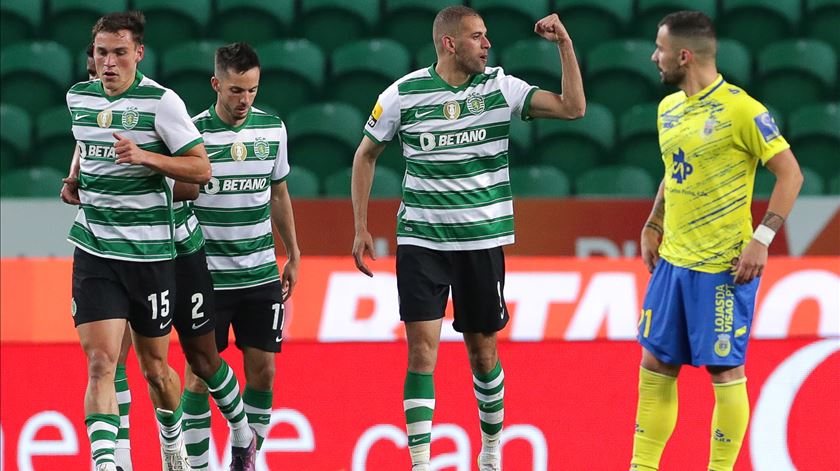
pixel 700 300
pixel 236 209
pixel 456 212
pixel 122 267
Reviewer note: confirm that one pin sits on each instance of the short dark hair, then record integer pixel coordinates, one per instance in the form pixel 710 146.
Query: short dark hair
pixel 89 50
pixel 240 57
pixel 133 21
pixel 449 19
pixel 689 24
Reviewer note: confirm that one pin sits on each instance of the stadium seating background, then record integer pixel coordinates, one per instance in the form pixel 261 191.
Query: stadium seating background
pixel 323 85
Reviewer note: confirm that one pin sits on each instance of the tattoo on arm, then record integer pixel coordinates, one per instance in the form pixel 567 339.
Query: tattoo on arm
pixel 773 221
pixel 659 209
pixel 655 227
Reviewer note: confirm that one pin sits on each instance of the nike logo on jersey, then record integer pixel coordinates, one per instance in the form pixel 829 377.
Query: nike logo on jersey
pixel 164 325
pixel 215 153
pixel 418 114
pixel 278 339
pixel 79 116
pixel 196 327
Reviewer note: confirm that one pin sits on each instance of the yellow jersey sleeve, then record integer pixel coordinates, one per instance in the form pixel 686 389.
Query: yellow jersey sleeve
pixel 756 131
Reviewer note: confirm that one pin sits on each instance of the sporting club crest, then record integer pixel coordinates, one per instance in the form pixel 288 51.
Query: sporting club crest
pixel 261 148
pixel 130 118
pixel 475 103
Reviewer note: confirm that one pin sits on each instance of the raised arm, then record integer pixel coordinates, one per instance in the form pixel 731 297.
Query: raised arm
pixel 571 102
pixel 364 163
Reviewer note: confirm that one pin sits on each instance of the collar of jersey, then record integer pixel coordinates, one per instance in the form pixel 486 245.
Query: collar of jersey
pixel 446 85
pixel 137 78
pixel 226 125
pixel 704 93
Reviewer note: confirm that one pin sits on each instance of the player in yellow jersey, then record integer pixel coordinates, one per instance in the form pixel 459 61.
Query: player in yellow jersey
pixel 699 242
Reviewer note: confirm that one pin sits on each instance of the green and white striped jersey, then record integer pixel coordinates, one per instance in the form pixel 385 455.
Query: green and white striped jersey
pixel 126 211
pixel 234 208
pixel 188 235
pixel 456 190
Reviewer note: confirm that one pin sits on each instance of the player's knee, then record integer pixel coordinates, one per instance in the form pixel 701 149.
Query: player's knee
pixel 483 361
pixel 421 359
pixel 195 384
pixel 260 375
pixel 725 374
pixel 156 374
pixel 101 365
pixel 202 364
pixel 651 363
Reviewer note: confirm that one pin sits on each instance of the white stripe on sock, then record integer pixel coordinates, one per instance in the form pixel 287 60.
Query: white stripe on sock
pixel 492 417
pixel 228 376
pixel 491 384
pixel 417 428
pixel 490 398
pixel 99 426
pixel 414 403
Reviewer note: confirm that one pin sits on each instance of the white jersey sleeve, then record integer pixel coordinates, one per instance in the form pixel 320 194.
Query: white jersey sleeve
pixel 173 124
pixel 281 161
pixel 384 120
pixel 517 93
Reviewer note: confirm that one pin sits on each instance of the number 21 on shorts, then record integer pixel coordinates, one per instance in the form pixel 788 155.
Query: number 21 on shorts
pixel 645 318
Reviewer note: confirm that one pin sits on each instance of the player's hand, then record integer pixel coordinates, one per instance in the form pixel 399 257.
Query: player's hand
pixel 649 244
pixel 70 191
pixel 289 278
pixel 128 152
pixel 751 262
pixel 363 243
pixel 552 29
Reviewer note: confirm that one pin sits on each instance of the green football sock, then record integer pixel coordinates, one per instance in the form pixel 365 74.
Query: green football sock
pixel 102 432
pixel 258 408
pixel 490 393
pixel 419 407
pixel 196 423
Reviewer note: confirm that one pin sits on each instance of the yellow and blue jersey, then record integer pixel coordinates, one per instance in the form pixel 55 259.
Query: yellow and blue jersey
pixel 711 143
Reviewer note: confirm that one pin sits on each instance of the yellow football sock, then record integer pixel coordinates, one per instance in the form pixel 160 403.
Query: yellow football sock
pixel 656 417
pixel 729 423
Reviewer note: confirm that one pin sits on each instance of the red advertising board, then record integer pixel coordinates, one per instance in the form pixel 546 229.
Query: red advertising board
pixel 564 226
pixel 550 298
pixel 568 405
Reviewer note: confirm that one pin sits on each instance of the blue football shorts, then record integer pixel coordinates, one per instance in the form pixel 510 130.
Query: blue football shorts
pixel 696 318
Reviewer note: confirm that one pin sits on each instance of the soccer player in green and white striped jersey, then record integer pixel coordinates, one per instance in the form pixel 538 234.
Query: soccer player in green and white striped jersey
pixel 70 195
pixel 236 209
pixel 453 120
pixel 127 128
pixel 193 319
